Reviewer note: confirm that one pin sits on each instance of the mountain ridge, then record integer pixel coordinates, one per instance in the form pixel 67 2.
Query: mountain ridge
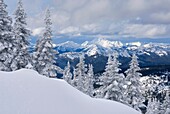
pixel 106 47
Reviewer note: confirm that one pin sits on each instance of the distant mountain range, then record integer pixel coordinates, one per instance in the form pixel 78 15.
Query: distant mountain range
pixel 105 47
pixel 151 55
pixel 154 56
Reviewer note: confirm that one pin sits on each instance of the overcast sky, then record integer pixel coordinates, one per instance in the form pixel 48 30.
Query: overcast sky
pixel 125 18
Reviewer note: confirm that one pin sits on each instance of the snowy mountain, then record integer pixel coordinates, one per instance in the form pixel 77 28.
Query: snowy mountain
pixel 100 46
pixel 107 43
pixel 68 46
pixel 106 47
pixel 97 51
pixel 27 92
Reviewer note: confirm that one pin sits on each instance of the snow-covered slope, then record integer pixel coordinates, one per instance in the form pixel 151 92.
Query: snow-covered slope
pixel 107 44
pixel 105 47
pixel 68 46
pixel 26 92
pixel 100 46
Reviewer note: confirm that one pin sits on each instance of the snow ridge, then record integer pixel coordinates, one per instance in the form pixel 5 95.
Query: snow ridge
pixel 27 92
pixel 106 47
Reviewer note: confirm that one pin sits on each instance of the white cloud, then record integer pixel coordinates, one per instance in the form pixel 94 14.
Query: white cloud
pixel 139 18
pixel 143 31
pixel 37 31
pixel 163 17
pixel 69 30
pixel 90 28
pixel 156 31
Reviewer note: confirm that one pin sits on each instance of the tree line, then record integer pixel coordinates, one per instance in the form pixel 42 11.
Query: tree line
pixel 147 94
pixel 14 44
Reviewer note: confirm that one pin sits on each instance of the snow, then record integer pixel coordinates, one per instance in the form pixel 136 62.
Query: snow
pixel 93 50
pixel 105 47
pixel 85 44
pixel 70 55
pixel 107 44
pixel 54 45
pixel 27 92
pixel 117 44
pixel 103 43
pixel 68 46
pixel 138 44
pixel 161 53
pixel 147 45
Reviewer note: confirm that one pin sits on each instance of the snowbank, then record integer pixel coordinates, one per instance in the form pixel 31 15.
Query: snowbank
pixel 26 92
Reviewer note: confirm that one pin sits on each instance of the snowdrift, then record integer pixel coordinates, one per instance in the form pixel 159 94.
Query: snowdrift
pixel 27 92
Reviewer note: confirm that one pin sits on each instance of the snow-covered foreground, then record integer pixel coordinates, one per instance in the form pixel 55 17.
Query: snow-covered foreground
pixel 26 92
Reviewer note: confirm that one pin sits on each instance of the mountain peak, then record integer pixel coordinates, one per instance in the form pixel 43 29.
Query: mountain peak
pixel 107 44
pixel 104 47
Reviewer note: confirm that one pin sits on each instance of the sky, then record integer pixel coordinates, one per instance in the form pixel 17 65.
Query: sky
pixel 105 18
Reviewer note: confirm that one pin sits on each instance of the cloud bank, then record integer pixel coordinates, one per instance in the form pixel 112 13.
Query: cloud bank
pixel 125 18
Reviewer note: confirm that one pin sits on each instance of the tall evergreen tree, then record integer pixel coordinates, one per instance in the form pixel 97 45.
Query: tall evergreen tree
pixel 89 81
pixel 67 75
pixel 112 80
pixel 166 103
pixel 73 83
pixel 6 39
pixel 151 86
pixel 22 56
pixel 44 56
pixel 80 74
pixel 133 92
pixel 153 107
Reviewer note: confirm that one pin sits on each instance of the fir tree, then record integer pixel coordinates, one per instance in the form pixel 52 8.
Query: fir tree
pixel 133 93
pixel 112 80
pixel 150 87
pixel 22 56
pixel 80 75
pixel 7 49
pixel 166 103
pixel 153 107
pixel 89 81
pixel 67 75
pixel 44 57
pixel 73 83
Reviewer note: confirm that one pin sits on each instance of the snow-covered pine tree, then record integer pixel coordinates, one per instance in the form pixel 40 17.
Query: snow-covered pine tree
pixel 44 56
pixel 112 80
pixel 67 75
pixel 133 92
pixel 167 111
pixel 21 33
pixel 73 82
pixel 166 103
pixel 150 86
pixel 153 107
pixel 89 81
pixel 80 74
pixel 7 49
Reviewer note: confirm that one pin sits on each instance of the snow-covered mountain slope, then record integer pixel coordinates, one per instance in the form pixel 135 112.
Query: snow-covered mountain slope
pixel 27 92
pixel 68 46
pixel 100 46
pixel 107 43
pixel 103 43
pixel 97 51
pixel 105 47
